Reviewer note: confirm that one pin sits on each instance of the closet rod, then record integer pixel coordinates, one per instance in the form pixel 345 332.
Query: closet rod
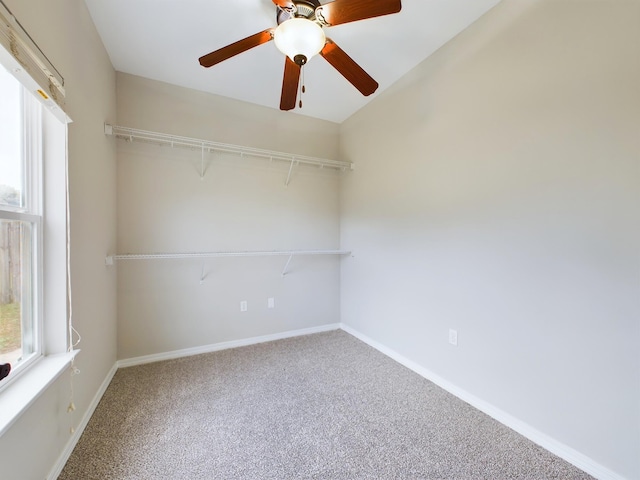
pixel 154 256
pixel 131 134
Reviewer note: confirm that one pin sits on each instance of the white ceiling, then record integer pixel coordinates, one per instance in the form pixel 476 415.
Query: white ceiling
pixel 163 39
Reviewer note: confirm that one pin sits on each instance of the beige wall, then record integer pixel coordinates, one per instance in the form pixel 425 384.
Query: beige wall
pixel 241 204
pixel 65 32
pixel 497 193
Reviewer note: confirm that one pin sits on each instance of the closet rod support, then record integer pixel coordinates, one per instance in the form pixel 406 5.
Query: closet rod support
pixel 202 164
pixel 284 270
pixel 203 276
pixel 293 161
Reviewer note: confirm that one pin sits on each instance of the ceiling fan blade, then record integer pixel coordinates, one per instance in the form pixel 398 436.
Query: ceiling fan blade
pixel 233 49
pixel 349 68
pixel 289 85
pixel 345 11
pixel 287 6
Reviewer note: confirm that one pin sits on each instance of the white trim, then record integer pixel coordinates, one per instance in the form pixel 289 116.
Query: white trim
pixel 29 386
pixel 71 444
pixel 563 451
pixel 187 352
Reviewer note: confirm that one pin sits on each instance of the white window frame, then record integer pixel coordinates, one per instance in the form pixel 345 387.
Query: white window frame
pixel 56 349
pixel 30 212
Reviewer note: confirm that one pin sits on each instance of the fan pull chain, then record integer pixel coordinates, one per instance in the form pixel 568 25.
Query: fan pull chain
pixel 302 88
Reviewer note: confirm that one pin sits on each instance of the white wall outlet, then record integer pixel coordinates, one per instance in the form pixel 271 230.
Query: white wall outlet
pixel 271 302
pixel 243 306
pixel 453 337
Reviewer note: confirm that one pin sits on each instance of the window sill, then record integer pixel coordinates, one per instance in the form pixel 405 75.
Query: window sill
pixel 19 396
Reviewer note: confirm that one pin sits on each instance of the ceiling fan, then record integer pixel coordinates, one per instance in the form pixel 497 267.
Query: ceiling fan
pixel 300 36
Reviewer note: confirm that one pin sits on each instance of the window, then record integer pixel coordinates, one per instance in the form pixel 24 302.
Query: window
pixel 35 317
pixel 20 225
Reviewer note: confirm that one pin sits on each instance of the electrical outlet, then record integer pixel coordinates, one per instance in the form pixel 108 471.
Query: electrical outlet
pixel 453 337
pixel 243 306
pixel 271 302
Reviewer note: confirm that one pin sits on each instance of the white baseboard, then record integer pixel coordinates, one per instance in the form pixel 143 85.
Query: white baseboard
pixel 187 352
pixel 545 441
pixel 71 444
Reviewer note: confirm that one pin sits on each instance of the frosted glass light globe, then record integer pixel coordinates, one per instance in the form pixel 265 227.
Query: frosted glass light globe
pixel 299 39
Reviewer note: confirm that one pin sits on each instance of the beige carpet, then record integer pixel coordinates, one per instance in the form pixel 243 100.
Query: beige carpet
pixel 322 406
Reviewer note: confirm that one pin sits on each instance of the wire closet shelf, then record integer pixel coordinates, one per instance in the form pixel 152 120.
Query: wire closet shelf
pixel 110 259
pixel 269 253
pixel 132 134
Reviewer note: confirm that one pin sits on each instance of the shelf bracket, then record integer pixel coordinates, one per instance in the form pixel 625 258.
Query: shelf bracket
pixel 203 275
pixel 293 162
pixel 202 164
pixel 284 270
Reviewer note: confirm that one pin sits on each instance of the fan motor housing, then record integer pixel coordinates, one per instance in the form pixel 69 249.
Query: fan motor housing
pixel 305 9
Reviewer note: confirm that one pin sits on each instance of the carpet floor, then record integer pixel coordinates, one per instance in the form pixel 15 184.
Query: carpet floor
pixel 324 406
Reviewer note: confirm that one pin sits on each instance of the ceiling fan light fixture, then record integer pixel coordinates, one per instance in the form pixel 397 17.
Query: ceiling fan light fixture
pixel 299 39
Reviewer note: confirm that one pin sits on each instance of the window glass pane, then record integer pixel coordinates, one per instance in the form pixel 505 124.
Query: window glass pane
pixel 17 335
pixel 12 175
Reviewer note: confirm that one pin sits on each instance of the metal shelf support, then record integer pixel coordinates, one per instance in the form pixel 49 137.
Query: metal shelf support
pixel 203 275
pixel 286 265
